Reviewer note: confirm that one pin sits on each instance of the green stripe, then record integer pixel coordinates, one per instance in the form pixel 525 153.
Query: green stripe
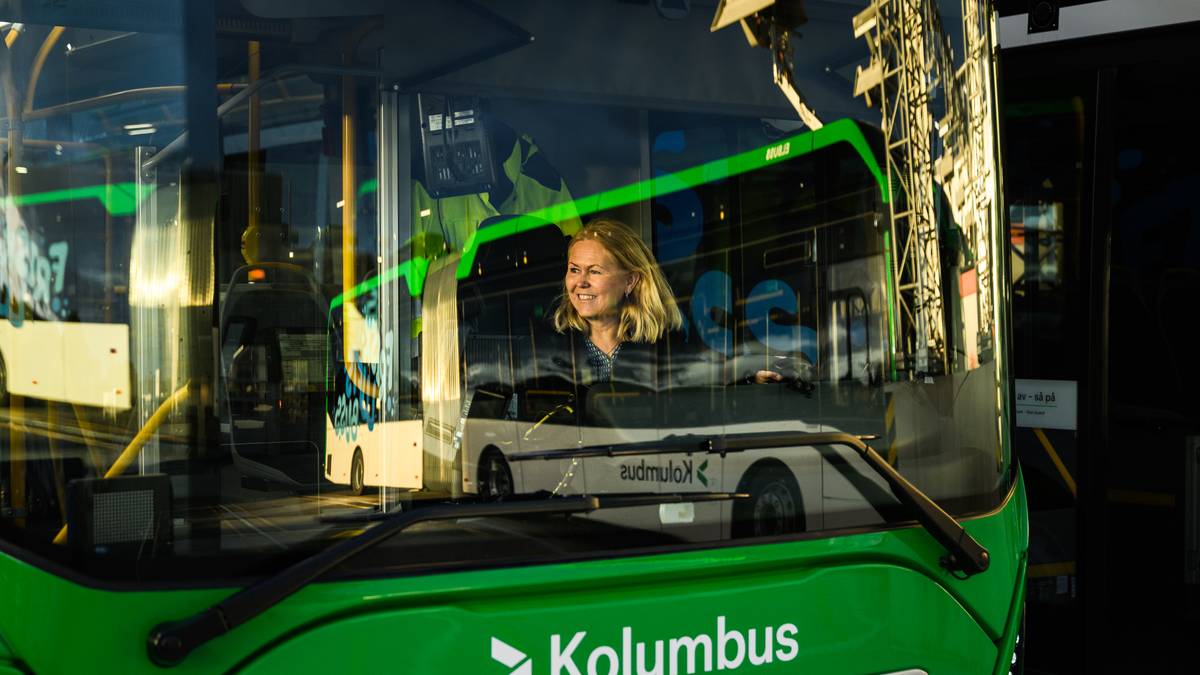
pixel 118 199
pixel 368 186
pixel 413 272
pixel 841 131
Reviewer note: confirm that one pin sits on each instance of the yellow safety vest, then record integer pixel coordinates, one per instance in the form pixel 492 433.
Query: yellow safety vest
pixel 452 220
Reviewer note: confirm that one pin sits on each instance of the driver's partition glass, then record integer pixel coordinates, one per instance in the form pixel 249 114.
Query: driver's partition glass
pixel 374 313
pixel 106 289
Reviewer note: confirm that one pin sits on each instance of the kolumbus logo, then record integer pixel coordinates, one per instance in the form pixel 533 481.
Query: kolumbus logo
pixel 512 657
pixel 724 649
pixel 681 473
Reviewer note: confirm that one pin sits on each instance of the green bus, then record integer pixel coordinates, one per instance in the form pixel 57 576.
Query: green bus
pixel 301 258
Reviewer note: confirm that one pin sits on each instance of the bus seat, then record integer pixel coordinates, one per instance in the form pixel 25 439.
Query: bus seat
pixel 274 344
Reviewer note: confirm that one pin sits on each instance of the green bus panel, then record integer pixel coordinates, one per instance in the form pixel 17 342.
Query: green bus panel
pixel 7 667
pixel 862 603
pixel 815 626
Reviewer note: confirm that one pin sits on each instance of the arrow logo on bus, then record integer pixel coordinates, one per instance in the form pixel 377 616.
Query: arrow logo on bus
pixel 510 656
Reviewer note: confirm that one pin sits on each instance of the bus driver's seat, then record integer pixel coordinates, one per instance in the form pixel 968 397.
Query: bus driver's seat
pixel 274 334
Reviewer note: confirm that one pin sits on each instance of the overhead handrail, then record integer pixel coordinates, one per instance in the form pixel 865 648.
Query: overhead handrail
pixel 115 97
pixel 249 90
pixel 40 62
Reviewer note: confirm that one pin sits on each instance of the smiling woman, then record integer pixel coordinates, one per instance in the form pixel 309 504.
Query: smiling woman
pixel 614 291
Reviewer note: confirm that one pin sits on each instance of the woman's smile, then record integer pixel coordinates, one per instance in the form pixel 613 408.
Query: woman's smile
pixel 594 281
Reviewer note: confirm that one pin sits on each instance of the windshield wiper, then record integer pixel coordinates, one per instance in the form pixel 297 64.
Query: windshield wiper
pixel 170 642
pixel 966 555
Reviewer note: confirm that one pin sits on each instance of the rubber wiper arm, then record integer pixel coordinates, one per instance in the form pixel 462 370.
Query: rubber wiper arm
pixel 169 643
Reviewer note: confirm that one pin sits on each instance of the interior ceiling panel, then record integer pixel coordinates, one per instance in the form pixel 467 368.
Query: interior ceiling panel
pixel 573 56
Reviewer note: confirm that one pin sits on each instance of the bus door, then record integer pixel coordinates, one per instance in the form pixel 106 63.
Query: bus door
pixel 852 401
pixel 525 272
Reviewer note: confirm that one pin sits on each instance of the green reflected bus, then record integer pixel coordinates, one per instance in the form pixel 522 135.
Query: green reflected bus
pixel 353 439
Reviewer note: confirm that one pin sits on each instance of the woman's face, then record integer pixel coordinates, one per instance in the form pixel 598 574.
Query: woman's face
pixel 595 283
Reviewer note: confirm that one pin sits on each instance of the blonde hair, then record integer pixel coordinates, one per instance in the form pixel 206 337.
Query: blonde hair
pixel 649 309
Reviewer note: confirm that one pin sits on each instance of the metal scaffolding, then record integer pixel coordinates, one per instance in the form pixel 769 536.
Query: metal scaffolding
pixel 977 199
pixel 911 73
pixel 903 60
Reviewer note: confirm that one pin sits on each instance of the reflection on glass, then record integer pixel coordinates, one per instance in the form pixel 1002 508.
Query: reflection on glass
pixel 353 315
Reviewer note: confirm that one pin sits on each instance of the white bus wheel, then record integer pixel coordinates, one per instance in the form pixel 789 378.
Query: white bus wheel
pixel 774 507
pixel 358 483
pixel 495 478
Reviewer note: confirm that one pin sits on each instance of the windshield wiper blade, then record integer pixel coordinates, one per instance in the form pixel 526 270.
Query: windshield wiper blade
pixel 668 446
pixel 966 555
pixel 170 642
pixel 620 499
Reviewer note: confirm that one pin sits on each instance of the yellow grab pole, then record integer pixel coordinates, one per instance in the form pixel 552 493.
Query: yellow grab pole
pixel 12 185
pixel 1058 463
pixel 40 62
pixel 349 238
pixel 253 160
pixel 13 34
pixel 132 450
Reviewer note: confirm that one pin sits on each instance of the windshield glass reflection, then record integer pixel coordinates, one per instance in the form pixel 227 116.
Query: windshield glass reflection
pixel 425 272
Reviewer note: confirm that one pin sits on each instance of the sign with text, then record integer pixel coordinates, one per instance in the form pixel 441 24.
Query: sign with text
pixel 1047 404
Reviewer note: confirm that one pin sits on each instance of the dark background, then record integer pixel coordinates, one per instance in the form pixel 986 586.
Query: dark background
pixel 1103 129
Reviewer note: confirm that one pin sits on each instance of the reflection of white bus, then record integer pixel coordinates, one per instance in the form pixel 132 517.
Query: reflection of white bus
pixel 80 363
pixel 803 293
pixel 794 294
pixel 58 309
pixel 368 406
pixel 791 284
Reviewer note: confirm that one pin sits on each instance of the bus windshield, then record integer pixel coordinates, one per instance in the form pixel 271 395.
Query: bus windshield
pixel 272 273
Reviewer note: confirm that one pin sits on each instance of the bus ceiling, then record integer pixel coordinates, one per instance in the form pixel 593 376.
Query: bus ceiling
pixel 113 15
pixel 557 50
pixel 570 55
pixel 550 50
